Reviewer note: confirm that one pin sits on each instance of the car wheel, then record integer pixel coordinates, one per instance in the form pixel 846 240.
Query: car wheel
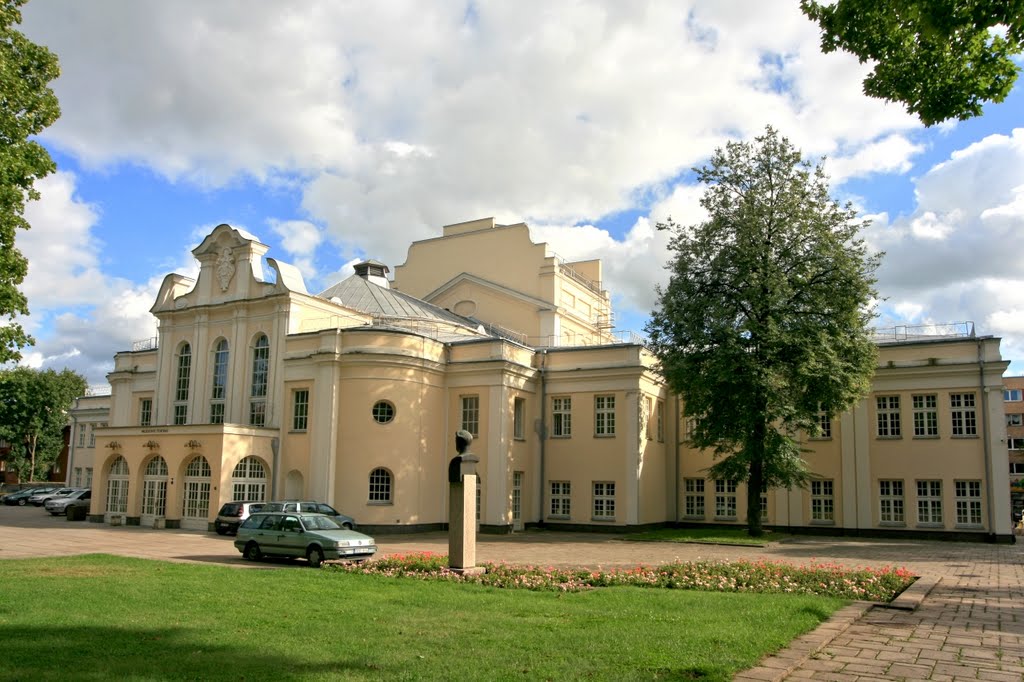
pixel 347 525
pixel 314 556
pixel 253 552
pixel 221 531
pixel 21 502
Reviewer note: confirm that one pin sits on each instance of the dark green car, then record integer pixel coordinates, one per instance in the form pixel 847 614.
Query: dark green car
pixel 298 534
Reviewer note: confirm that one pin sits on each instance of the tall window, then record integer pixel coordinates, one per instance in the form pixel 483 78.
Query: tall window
pixel 181 386
pixel 560 499
pixel 725 499
pixel 659 421
pixel 146 412
pixel 604 415
pixel 197 489
pixel 220 382
pixel 260 371
pixel 649 413
pixel 968 503
pixel 888 416
pixel 929 502
pixel 824 425
pixel 822 501
pixel 249 481
pixel 81 435
pixel 154 487
pixel 519 419
pixel 604 500
pixel 117 486
pixel 965 422
pixel 380 486
pixel 694 499
pixel 300 409
pixel 471 414
pixel 926 416
pixel 561 417
pixel 890 498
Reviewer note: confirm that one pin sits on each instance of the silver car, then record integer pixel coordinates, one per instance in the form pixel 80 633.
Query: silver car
pixel 40 499
pixel 59 505
pixel 300 534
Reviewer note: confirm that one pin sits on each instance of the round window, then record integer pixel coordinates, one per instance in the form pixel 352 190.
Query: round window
pixel 383 412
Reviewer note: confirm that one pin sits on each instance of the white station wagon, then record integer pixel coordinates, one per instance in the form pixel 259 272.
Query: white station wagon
pixel 298 534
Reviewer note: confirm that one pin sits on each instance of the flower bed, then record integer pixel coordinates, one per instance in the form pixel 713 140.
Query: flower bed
pixel 872 584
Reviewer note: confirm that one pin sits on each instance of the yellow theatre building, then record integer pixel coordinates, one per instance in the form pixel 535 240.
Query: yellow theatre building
pixel 257 389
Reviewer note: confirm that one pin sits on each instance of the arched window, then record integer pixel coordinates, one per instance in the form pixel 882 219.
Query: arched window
pixel 154 488
pixel 260 371
pixel 117 486
pixel 196 507
pixel 249 481
pixel 181 386
pixel 380 486
pixel 220 382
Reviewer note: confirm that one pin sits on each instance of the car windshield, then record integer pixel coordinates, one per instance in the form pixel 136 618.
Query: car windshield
pixel 320 523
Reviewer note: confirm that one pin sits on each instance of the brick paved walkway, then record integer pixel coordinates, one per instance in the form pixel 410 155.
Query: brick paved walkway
pixel 963 620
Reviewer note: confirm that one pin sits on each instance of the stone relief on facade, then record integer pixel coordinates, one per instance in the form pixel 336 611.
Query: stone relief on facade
pixel 225 268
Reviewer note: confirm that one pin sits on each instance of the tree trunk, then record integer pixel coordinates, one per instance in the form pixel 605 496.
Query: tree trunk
pixel 755 482
pixel 31 445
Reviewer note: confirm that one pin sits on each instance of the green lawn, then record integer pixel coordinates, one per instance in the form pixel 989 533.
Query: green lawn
pixel 101 617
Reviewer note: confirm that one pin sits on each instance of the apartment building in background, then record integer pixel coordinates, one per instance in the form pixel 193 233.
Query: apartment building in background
pixel 258 389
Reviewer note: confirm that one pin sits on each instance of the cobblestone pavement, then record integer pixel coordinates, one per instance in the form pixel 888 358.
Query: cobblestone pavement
pixel 963 620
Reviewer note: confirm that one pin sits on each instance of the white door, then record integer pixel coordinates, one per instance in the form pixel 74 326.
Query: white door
pixel 517 500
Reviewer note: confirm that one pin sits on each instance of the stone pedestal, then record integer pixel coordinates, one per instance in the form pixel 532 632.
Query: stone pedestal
pixel 462 525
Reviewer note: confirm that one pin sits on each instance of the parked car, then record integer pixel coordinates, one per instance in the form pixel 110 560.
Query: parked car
pixel 59 505
pixel 232 514
pixel 20 498
pixel 299 534
pixel 39 499
pixel 313 507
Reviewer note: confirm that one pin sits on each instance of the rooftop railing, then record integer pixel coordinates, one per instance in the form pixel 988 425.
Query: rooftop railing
pixel 902 333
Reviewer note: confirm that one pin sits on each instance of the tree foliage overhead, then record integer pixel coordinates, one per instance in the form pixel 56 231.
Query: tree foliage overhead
pixel 765 320
pixel 33 413
pixel 27 107
pixel 942 58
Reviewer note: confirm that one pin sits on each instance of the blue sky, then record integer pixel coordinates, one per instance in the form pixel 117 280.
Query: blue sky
pixel 342 130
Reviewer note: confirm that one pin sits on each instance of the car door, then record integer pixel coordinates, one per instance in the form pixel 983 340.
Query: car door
pixel 289 538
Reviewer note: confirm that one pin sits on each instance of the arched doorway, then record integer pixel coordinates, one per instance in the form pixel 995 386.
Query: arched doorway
pixel 195 508
pixel 117 488
pixel 154 491
pixel 294 488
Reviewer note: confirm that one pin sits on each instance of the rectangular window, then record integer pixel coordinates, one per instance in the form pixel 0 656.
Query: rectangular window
pixel 964 419
pixel 78 476
pixel 471 414
pixel 604 501
pixel 888 413
pixel 890 499
pixel 180 414
pixel 519 419
pixel 1014 420
pixel 561 417
pixel 1015 443
pixel 659 421
pixel 300 410
pixel 822 501
pixel 81 435
pixel 88 477
pixel 926 416
pixel 92 437
pixel 648 417
pixel 725 499
pixel 216 413
pixel 257 413
pixel 146 412
pixel 764 506
pixel 604 415
pixel 1017 468
pixel 694 498
pixel 560 507
pixel 929 502
pixel 1012 395
pixel 824 425
pixel 968 503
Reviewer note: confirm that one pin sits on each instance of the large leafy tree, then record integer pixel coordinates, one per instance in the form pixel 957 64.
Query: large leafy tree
pixel 941 58
pixel 33 413
pixel 765 319
pixel 27 106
